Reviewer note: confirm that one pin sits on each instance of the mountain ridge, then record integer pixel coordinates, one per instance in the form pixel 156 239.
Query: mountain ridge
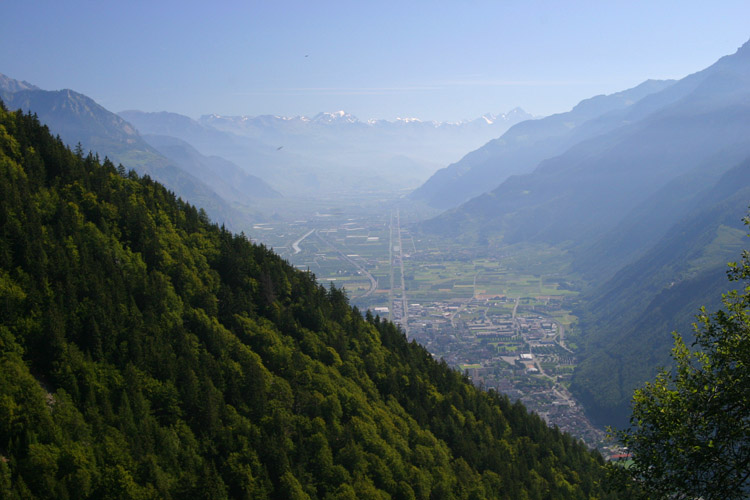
pixel 228 180
pixel 341 116
pixel 522 147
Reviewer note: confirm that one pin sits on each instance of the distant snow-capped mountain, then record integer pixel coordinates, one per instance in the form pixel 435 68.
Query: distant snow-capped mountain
pixel 330 151
pixel 335 117
pixel 500 120
pixel 341 136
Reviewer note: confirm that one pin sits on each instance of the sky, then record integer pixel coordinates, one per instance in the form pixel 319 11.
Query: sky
pixel 436 60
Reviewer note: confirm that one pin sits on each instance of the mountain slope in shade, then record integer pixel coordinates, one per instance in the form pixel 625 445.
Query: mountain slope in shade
pixel 577 196
pixel 227 179
pixel 524 145
pixel 640 229
pixel 626 321
pixel 651 214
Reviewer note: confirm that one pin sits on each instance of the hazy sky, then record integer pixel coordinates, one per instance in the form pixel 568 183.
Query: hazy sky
pixel 382 59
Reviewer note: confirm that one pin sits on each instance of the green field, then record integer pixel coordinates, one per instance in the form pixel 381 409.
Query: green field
pixel 435 270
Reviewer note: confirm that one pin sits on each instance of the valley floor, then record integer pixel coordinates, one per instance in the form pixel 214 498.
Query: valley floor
pixel 504 320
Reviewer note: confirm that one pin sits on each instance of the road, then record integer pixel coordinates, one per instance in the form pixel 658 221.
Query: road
pixel 397 255
pixel 390 266
pixel 404 302
pixel 295 245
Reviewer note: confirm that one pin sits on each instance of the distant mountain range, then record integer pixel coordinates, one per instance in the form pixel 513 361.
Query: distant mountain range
pixel 330 152
pixel 492 123
pixel 647 197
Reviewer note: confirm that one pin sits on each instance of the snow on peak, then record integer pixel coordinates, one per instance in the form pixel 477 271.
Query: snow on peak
pixel 341 117
pixel 335 117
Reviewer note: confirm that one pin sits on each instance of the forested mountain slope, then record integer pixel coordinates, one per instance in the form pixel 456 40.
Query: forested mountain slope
pixel 146 353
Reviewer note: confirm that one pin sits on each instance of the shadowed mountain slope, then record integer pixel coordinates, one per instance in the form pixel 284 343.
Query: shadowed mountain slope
pixel 650 212
pixel 626 321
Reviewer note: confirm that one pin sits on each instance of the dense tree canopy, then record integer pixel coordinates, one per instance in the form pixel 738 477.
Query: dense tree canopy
pixel 690 428
pixel 146 353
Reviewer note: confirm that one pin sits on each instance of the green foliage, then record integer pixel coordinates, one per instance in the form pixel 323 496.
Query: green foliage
pixel 690 431
pixel 146 353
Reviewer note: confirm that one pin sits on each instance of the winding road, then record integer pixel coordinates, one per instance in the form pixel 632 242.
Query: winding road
pixel 295 245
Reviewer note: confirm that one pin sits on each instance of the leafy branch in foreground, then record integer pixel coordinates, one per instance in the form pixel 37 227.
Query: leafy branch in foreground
pixel 690 428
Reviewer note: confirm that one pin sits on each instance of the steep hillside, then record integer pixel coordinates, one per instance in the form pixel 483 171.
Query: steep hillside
pixel 77 117
pixel 522 147
pixel 626 321
pixel 146 353
pixel 598 260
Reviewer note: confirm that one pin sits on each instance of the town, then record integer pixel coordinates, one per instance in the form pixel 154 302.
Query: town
pixel 505 328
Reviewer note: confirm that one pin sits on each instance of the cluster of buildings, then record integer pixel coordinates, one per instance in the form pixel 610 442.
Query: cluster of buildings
pixel 516 354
